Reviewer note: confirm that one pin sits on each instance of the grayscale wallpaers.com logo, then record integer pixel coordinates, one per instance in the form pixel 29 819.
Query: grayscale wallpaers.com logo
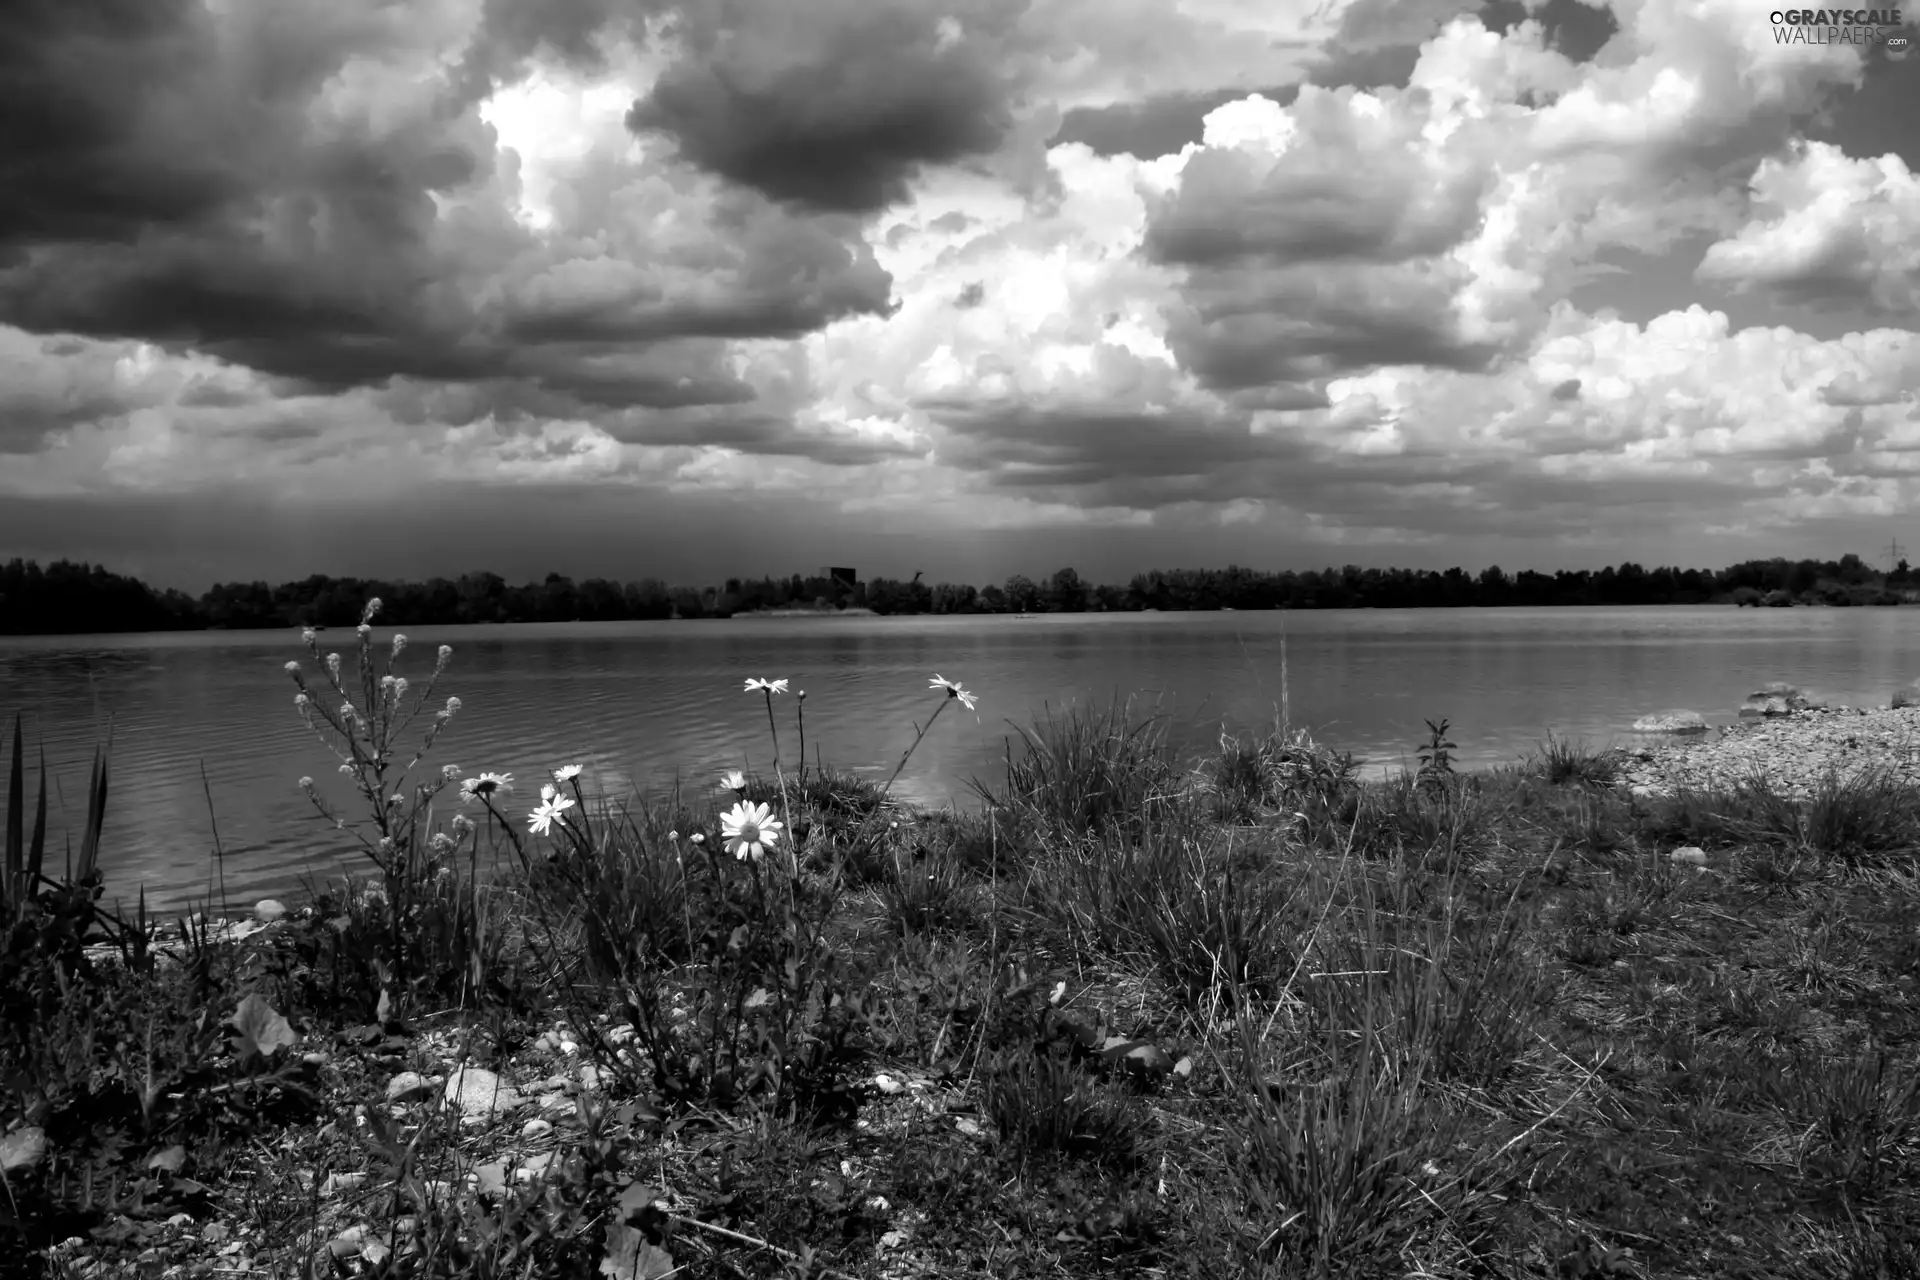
pixel 1842 26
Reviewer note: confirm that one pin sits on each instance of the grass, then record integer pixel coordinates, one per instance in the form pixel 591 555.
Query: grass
pixel 1134 1016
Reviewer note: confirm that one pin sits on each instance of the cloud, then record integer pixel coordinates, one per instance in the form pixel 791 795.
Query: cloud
pixel 1218 274
pixel 835 106
pixel 358 222
pixel 1837 231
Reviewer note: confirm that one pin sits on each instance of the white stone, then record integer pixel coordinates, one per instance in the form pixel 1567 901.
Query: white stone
pixel 477 1093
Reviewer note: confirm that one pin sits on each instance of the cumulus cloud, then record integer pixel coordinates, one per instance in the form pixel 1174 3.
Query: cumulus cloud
pixel 1834 229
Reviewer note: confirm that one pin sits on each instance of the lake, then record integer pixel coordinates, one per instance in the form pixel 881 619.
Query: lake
pixel 636 701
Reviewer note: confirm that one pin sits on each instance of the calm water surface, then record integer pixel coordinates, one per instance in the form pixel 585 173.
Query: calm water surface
pixel 636 701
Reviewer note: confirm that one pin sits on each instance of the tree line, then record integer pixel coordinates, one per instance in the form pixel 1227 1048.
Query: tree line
pixel 79 598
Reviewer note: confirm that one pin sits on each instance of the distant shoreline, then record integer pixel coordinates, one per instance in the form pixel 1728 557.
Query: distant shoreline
pixel 851 612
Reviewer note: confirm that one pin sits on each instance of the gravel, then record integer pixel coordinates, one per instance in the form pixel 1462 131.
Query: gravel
pixel 1793 753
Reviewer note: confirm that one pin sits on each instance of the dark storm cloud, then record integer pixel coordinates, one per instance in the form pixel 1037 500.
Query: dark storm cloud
pixel 1023 446
pixel 1568 390
pixel 1247 329
pixel 209 189
pixel 831 105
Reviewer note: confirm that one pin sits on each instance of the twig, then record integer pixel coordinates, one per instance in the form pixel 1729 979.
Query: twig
pixel 827 1273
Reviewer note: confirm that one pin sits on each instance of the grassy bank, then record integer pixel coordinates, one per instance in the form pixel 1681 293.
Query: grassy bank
pixel 1240 1016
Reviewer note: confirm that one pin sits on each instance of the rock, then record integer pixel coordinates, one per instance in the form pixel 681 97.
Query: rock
pixel 268 910
pixel 1777 698
pixel 477 1093
pixel 408 1086
pixel 1671 722
pixel 22 1149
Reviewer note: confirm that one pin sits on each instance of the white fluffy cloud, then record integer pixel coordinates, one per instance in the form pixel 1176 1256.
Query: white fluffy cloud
pixel 1829 228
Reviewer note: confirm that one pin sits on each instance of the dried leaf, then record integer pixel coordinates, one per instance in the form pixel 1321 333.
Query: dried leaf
pixel 259 1028
pixel 631 1256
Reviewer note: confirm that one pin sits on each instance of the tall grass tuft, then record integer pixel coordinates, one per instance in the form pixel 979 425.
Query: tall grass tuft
pixel 1088 771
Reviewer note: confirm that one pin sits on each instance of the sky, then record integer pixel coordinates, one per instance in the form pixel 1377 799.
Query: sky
pixel 738 287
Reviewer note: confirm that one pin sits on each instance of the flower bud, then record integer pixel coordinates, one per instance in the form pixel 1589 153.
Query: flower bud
pixel 347 769
pixel 450 772
pixel 333 665
pixel 306 784
pixel 301 700
pixel 399 688
pixel 373 607
pixel 364 630
pixel 453 705
pixel 399 643
pixel 309 635
pixel 462 825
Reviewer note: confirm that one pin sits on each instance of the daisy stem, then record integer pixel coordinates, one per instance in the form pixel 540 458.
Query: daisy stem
pixel 786 805
pixel 918 735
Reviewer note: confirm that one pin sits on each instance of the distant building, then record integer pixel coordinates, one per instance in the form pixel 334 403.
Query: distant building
pixel 841 575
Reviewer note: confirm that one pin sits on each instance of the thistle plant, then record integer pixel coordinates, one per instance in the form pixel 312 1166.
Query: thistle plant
pixel 362 736
pixel 1436 757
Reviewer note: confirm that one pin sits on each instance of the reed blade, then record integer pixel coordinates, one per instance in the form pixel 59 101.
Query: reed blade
pixel 16 818
pixel 96 812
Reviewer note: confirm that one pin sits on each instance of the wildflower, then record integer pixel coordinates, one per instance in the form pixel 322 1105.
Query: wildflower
pixel 453 705
pixel 734 781
pixel 552 805
pixel 364 630
pixel 333 665
pixel 347 769
pixel 802 695
pixel 309 635
pixel 301 700
pixel 954 691
pixel 697 838
pixel 673 835
pixel 485 786
pixel 440 843
pixel 462 825
pixel 399 688
pixel 306 784
pixel 396 799
pixel 445 656
pixel 771 686
pixel 750 830
pixel 373 607
pixel 399 643
pixel 293 668
pixel 448 772
pixel 566 773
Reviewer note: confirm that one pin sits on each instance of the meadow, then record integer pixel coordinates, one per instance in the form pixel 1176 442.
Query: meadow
pixel 1248 1014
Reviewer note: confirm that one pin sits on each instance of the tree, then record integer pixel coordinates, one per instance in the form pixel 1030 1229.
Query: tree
pixel 1022 595
pixel 1066 593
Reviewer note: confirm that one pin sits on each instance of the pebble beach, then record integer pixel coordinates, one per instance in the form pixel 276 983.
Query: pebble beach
pixel 1791 753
